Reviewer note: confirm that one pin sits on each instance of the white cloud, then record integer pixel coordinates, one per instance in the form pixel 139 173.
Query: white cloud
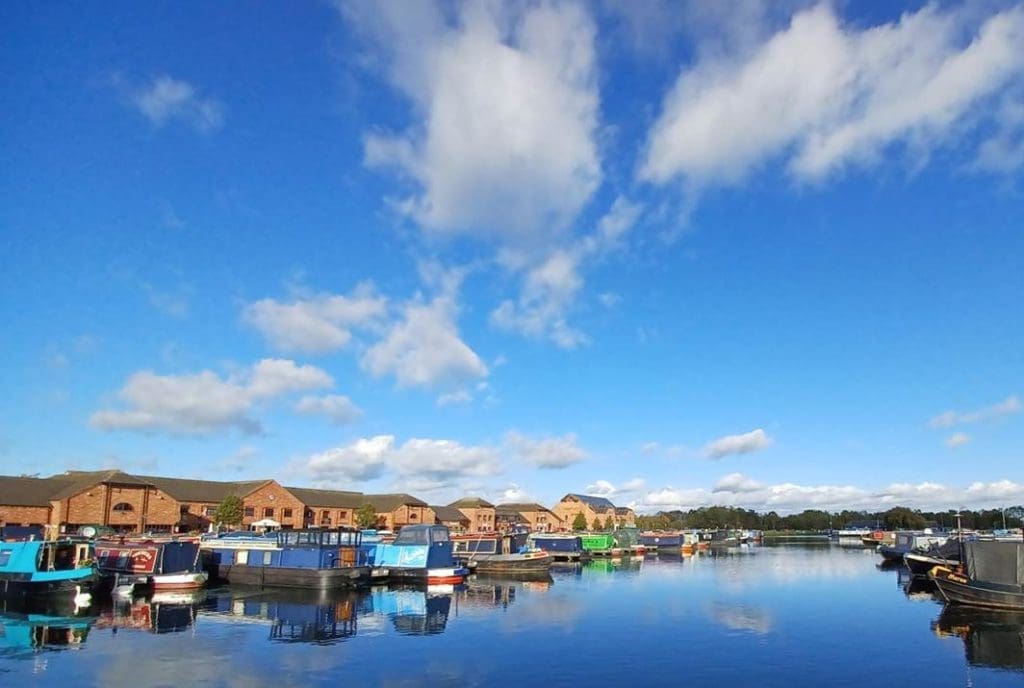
pixel 204 403
pixel 484 163
pixel 364 459
pixel 423 464
pixel 337 407
pixel 948 419
pixel 650 447
pixel 1003 151
pixel 547 292
pixel 166 99
pixel 547 452
pixel 318 324
pixel 600 488
pixel 456 398
pixel 423 349
pixel 748 442
pixel 739 491
pixel 603 488
pixel 513 494
pixel 737 482
pixel 957 439
pixel 916 82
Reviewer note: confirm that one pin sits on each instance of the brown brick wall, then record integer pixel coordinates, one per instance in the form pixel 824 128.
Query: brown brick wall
pixel 24 515
pixel 481 519
pixel 543 521
pixel 273 496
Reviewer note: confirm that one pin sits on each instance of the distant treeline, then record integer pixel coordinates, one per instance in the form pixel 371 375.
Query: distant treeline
pixel 814 519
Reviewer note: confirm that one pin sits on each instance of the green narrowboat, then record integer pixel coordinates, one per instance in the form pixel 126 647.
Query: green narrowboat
pixel 600 544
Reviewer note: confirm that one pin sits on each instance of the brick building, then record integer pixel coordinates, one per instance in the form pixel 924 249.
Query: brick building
pixel 625 517
pixel 599 508
pixel 479 512
pixel 397 510
pixel 329 508
pixel 451 517
pixel 538 517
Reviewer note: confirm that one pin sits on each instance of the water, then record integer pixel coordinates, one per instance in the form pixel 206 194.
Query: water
pixel 761 616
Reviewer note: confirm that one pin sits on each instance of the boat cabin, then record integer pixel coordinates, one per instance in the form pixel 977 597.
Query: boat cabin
pixel 490 543
pixel 40 555
pixel 416 546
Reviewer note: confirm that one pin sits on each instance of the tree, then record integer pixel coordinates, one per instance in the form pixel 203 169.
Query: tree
pixel 229 511
pixel 580 522
pixel 608 525
pixel 596 525
pixel 366 516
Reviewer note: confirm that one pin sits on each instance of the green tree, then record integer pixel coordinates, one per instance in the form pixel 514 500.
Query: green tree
pixel 596 525
pixel 902 517
pixel 608 525
pixel 229 511
pixel 366 516
pixel 580 522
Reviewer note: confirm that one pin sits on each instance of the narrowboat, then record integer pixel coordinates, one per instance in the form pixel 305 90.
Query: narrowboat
pixel 921 562
pixel 419 554
pixel 44 568
pixel 600 544
pixel 907 541
pixel 561 547
pixel 132 565
pixel 720 538
pixel 318 559
pixel 500 553
pixel 992 575
pixel 657 540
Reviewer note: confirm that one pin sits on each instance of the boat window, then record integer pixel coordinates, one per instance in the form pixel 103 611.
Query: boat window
pixel 5 556
pixel 242 556
pixel 123 506
pixel 266 558
pixel 288 538
pixel 412 536
pixel 64 558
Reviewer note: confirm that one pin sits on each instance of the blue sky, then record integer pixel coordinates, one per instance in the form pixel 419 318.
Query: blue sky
pixel 763 254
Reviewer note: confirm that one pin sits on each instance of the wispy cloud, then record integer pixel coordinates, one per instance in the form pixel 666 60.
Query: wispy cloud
pixel 957 439
pixel 748 442
pixel 948 419
pixel 546 452
pixel 166 99
pixel 205 403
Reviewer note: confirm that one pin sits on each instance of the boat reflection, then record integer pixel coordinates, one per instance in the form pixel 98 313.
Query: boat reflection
pixel 293 616
pixel 162 612
pixel 412 611
pixel 54 625
pixel 991 638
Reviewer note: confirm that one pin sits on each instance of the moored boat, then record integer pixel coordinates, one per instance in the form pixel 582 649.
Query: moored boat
pixel 600 544
pixel 32 569
pixel 992 575
pixel 419 554
pixel 500 553
pixel 313 559
pixel 561 547
pixel 658 540
pixel 907 541
pixel 150 564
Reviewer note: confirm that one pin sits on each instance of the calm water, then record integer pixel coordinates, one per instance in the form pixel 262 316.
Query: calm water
pixel 764 616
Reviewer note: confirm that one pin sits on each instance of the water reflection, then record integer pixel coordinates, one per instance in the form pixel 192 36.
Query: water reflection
pixel 743 617
pixel 167 612
pixel 991 638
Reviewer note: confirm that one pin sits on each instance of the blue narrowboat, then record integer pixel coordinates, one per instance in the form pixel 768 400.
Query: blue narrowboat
pixel 312 559
pixel 419 554
pixel 560 547
pixel 43 568
pixel 661 539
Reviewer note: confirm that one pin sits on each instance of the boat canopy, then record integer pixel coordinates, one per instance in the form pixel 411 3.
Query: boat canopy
pixel 421 535
pixel 995 562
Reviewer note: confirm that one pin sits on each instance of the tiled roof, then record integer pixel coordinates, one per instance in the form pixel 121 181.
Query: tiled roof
pixel 623 510
pixel 332 499
pixel 17 491
pixel 389 502
pixel 448 514
pixel 596 503
pixel 471 503
pixel 209 491
pixel 75 482
pixel 521 507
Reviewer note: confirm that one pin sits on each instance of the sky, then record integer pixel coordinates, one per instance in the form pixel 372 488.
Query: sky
pixel 762 254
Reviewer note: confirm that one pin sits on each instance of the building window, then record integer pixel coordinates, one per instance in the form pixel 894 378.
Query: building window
pixel 183 510
pixel 123 506
pixel 325 518
pixel 210 511
pixel 250 511
pixel 268 512
pixel 342 515
pixel 286 513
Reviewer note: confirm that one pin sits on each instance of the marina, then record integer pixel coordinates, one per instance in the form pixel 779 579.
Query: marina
pixel 743 614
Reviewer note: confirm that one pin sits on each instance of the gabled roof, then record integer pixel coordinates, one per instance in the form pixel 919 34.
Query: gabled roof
pixel 596 503
pixel 18 491
pixel 448 514
pixel 210 491
pixel 623 510
pixel 524 506
pixel 332 499
pixel 471 503
pixel 389 502
pixel 506 512
pixel 75 482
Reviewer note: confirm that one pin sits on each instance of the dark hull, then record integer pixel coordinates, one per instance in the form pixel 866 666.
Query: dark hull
pixel 959 589
pixel 280 577
pixel 511 565
pixel 920 564
pixel 17 588
pixel 892 554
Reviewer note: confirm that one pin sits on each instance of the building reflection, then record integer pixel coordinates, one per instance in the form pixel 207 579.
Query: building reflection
pixel 991 638
pixel 162 612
